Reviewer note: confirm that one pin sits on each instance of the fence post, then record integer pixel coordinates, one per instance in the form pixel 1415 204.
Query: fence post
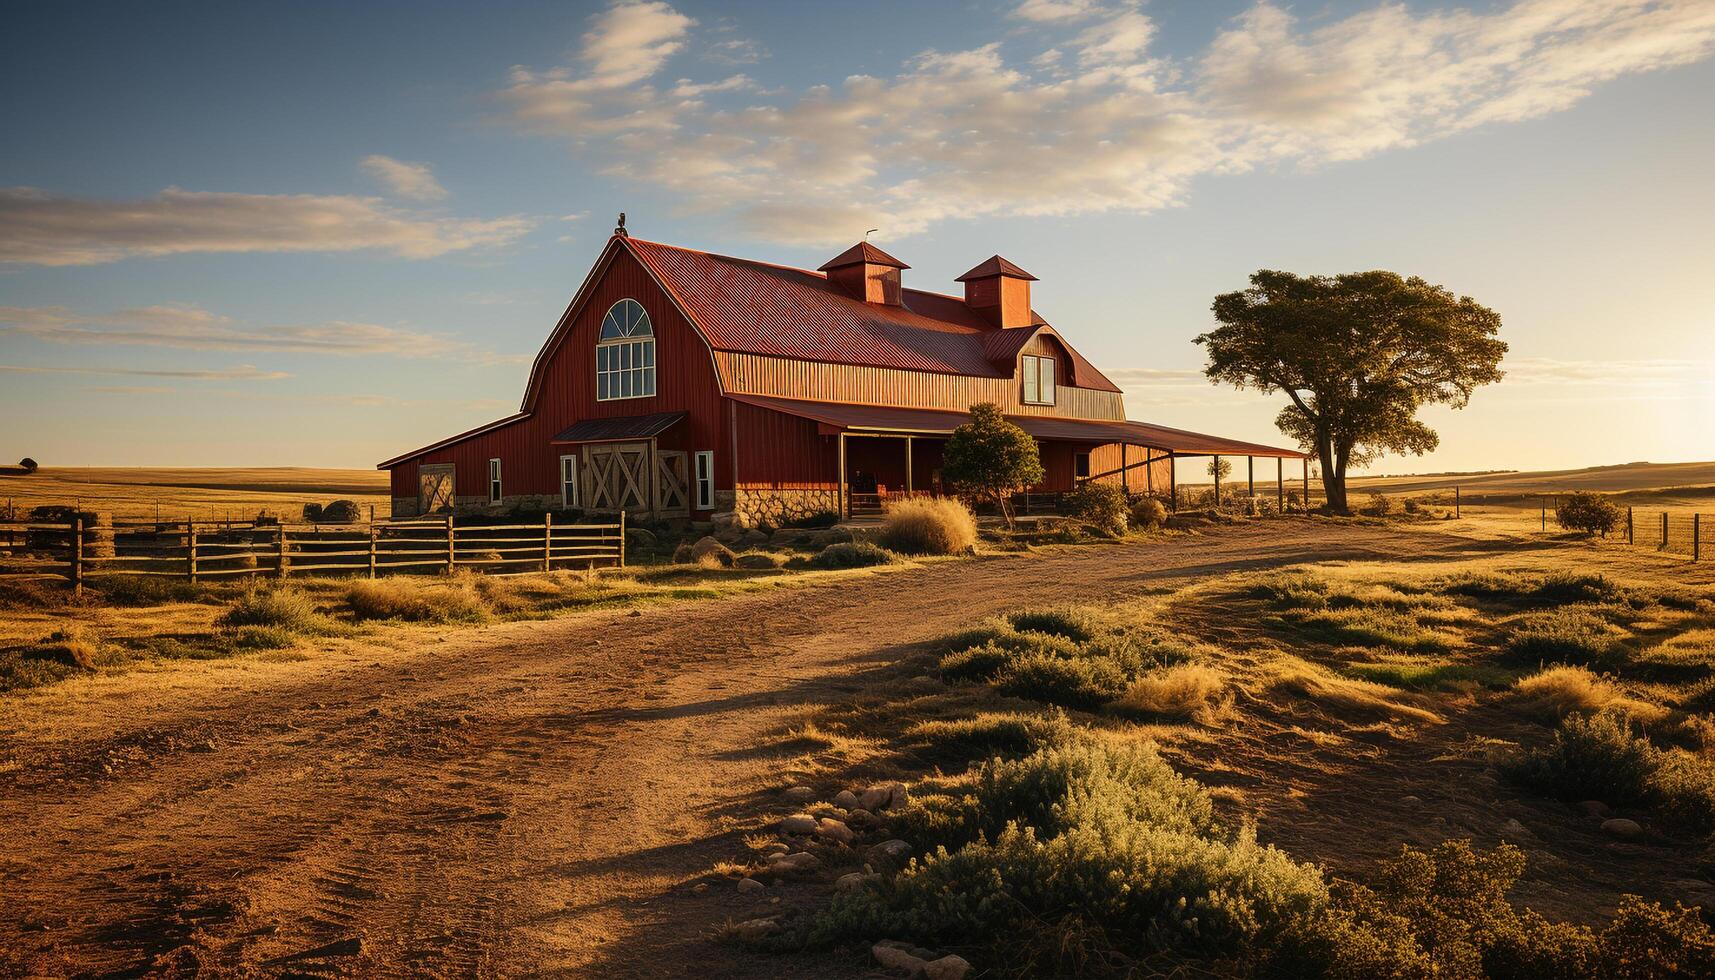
pixel 371 542
pixel 77 555
pixel 1280 484
pixel 191 549
pixel 1664 530
pixel 450 563
pixel 1696 535
pixel 1628 525
pixel 1545 516
pixel 548 541
pixel 280 554
pixel 622 539
pixel 1217 470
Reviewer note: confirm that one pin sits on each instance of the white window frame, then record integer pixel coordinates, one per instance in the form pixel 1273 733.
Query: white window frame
pixel 1038 373
pixel 704 474
pixel 625 353
pixel 496 490
pixel 569 488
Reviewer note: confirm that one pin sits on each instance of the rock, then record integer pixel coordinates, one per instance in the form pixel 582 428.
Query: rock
pixel 835 830
pixel 1513 830
pixel 752 930
pixel 1622 828
pixel 862 818
pixel 947 968
pixel 833 535
pixel 756 559
pixel 777 847
pixel 708 550
pixel 799 794
pixel 855 881
pixel 1596 808
pixel 846 800
pixel 798 823
pixel 752 537
pixel 785 864
pixel 639 539
pixel 889 797
pixel 892 850
pixel 700 887
pixel 722 520
pixel 893 957
pixel 750 886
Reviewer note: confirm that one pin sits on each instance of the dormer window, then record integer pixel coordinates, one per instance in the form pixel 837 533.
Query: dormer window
pixel 625 354
pixel 1038 375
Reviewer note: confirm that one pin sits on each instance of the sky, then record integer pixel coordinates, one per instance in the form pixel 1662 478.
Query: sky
pixel 321 234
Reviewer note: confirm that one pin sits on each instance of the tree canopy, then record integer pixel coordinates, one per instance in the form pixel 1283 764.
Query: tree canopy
pixel 1357 355
pixel 991 457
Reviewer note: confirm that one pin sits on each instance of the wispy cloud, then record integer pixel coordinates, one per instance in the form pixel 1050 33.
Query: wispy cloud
pixel 975 132
pixel 242 372
pixel 194 328
pixel 42 228
pixel 413 180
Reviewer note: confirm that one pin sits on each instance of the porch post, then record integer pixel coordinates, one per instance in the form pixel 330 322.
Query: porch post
pixel 1149 470
pixel 1125 474
pixel 1306 462
pixel 1217 468
pixel 1280 484
pixel 842 477
pixel 908 481
pixel 1250 473
pixel 1173 479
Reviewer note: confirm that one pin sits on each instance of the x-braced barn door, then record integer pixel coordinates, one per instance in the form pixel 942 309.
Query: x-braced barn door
pixel 435 487
pixel 616 477
pixel 672 484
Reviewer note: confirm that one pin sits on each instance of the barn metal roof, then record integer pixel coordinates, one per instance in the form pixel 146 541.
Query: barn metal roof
pixel 994 265
pixel 753 307
pixel 621 427
pixel 883 418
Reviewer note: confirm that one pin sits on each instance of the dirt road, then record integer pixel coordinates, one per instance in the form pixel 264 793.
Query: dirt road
pixel 523 798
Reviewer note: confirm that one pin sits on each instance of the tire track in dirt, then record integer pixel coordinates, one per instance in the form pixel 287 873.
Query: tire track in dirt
pixel 508 799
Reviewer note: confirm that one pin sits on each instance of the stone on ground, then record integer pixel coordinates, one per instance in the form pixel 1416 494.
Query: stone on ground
pixel 798 823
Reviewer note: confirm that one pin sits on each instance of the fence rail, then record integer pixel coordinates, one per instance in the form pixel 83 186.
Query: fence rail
pixel 1675 532
pixel 77 551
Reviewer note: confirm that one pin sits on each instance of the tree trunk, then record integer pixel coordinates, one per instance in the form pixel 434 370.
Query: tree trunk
pixel 1333 475
pixel 1004 507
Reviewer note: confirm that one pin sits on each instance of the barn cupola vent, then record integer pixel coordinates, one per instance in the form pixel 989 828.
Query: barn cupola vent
pixel 867 273
pixel 999 291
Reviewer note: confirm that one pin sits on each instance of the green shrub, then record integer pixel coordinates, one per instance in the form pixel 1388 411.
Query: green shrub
pixel 1086 683
pixel 284 607
pixel 1649 940
pixel 1577 587
pixel 991 734
pixel 979 663
pixel 1292 591
pixel 1373 627
pixel 1568 635
pixel 1100 505
pixel 1380 505
pixel 1600 757
pixel 1148 513
pixel 1073 624
pixel 148 590
pixel 929 526
pixel 1587 513
pixel 852 554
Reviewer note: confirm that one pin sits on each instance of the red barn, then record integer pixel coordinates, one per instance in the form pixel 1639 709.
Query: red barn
pixel 683 384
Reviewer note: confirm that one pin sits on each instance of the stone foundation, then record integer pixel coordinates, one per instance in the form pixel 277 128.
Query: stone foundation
pixel 777 508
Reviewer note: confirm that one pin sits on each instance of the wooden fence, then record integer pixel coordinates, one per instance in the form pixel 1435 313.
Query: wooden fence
pixel 1670 531
pixel 195 550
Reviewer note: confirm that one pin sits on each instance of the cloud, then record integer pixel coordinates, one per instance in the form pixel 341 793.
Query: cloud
pixel 242 372
pixel 41 228
pixel 990 131
pixel 412 180
pixel 194 328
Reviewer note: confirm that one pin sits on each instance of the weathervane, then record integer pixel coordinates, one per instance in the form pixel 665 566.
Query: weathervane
pixel 865 234
pixel 619 229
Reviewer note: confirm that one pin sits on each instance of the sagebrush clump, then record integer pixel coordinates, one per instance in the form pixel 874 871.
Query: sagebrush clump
pixel 852 554
pixel 1587 513
pixel 1100 505
pixel 413 601
pixel 283 608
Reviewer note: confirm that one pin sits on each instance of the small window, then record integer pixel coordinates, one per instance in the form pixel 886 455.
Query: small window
pixel 1038 375
pixel 568 481
pixel 705 481
pixel 494 481
pixel 1081 465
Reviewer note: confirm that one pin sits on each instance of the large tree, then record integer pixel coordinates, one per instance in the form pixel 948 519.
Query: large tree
pixel 1358 355
pixel 990 457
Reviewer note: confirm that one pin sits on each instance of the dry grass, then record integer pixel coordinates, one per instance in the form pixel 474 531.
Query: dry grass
pixel 1188 691
pixel 415 600
pixel 1560 691
pixel 1289 675
pixel 929 526
pixel 201 493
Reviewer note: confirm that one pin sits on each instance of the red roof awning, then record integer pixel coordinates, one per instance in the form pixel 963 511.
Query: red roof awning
pixel 924 421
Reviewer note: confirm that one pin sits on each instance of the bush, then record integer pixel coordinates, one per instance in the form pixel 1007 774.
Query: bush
pixel 285 608
pixel 341 512
pixel 1600 757
pixel 992 734
pixel 1086 683
pixel 419 602
pixel 1073 624
pixel 1587 513
pixel 1569 635
pixel 929 526
pixel 1562 690
pixel 147 590
pixel 1182 691
pixel 1100 505
pixel 1380 505
pixel 1148 513
pixel 979 663
pixel 852 554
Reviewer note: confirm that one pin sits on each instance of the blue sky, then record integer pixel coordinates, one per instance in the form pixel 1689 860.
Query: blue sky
pixel 320 234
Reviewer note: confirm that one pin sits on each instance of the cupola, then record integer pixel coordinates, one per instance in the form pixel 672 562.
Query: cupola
pixel 867 273
pixel 1000 292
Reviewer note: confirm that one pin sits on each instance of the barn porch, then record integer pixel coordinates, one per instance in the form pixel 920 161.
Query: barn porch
pixel 886 452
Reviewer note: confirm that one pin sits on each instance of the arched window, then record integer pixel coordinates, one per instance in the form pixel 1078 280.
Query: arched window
pixel 625 354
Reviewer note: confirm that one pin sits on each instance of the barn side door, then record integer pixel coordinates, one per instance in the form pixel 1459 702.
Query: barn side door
pixel 434 488
pixel 672 484
pixel 616 477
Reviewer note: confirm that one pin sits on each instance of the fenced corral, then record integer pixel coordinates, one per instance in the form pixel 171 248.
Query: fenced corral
pixel 1670 531
pixel 88 547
